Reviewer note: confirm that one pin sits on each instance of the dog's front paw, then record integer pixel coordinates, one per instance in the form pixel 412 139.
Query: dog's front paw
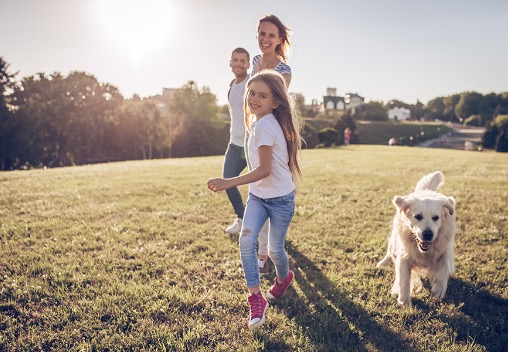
pixel 438 290
pixel 404 301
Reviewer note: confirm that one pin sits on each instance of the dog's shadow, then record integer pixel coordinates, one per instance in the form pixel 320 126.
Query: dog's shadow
pixel 483 316
pixel 330 319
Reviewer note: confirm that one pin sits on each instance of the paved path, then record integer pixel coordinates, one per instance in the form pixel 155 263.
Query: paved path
pixel 455 139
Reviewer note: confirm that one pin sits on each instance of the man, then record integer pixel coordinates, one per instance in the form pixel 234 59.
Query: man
pixel 235 161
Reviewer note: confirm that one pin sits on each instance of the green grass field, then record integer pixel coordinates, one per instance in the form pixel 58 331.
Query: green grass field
pixel 132 256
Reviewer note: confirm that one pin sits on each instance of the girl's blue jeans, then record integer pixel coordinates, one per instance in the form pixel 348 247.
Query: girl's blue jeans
pixel 280 211
pixel 234 163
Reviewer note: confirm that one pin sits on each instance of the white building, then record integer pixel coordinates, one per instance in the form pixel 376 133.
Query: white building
pixel 399 113
pixel 350 101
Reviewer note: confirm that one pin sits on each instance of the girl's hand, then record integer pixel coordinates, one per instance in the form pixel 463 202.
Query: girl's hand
pixel 218 184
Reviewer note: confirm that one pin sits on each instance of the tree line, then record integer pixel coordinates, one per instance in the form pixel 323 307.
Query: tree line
pixel 52 120
pixel 470 108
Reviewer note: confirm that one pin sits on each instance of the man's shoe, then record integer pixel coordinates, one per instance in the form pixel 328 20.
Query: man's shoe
pixel 235 227
pixel 264 269
pixel 277 290
pixel 258 306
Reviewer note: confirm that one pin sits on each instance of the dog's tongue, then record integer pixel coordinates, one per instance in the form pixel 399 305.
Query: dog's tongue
pixel 425 245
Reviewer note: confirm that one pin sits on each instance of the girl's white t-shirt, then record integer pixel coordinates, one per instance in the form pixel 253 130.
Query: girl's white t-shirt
pixel 267 131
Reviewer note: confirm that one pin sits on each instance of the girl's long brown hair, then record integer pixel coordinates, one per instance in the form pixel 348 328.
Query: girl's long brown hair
pixel 285 114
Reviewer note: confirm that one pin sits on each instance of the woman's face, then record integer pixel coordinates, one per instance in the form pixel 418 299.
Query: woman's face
pixel 268 37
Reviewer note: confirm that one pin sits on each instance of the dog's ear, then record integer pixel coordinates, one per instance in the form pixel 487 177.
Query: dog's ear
pixel 449 203
pixel 400 203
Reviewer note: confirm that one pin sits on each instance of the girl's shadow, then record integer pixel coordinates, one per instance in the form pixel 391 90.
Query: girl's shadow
pixel 329 318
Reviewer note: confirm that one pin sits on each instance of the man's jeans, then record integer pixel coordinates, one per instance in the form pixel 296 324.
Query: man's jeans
pixel 234 163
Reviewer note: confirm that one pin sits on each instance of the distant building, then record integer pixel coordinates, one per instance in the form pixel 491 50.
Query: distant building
pixel 334 103
pixel 351 101
pixel 399 113
pixel 161 101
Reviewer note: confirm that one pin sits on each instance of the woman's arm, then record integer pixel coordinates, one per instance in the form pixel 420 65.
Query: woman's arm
pixel 264 169
pixel 287 78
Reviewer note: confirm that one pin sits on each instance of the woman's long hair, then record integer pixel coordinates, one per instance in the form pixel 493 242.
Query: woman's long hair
pixel 283 49
pixel 285 113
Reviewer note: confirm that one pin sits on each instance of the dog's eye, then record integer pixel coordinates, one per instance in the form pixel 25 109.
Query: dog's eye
pixel 418 217
pixel 435 218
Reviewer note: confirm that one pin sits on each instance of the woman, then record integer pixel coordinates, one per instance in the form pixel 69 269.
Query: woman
pixel 273 41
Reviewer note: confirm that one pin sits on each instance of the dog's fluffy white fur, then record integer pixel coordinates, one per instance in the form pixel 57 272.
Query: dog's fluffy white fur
pixel 422 239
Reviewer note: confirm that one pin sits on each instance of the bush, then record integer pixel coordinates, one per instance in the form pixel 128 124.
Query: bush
pixel 309 135
pixel 502 139
pixel 496 134
pixel 490 135
pixel 327 136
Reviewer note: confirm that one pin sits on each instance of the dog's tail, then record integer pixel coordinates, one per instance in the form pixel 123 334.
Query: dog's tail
pixel 431 181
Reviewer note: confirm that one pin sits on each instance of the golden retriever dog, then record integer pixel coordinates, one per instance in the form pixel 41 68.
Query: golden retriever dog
pixel 422 239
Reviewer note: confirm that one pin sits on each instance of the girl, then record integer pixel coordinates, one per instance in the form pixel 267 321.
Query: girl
pixel 273 41
pixel 274 142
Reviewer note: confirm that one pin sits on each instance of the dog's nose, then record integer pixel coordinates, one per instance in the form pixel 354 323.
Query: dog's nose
pixel 427 234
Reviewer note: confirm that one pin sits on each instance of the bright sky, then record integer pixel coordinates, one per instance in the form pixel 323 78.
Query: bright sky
pixel 382 50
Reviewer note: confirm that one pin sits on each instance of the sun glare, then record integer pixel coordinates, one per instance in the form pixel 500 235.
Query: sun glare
pixel 137 25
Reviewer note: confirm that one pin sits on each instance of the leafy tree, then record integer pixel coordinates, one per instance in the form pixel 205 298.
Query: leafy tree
pixel 468 105
pixel 450 104
pixel 68 116
pixel 436 109
pixel 374 111
pixel 417 110
pixel 139 131
pixel 197 111
pixel 442 108
pixel 10 127
pixel 488 106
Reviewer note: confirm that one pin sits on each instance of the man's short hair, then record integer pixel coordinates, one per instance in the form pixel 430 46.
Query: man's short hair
pixel 241 51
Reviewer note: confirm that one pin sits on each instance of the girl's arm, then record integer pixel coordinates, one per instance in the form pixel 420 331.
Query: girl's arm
pixel 264 169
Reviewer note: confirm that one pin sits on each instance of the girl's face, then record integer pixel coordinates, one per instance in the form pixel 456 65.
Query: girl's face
pixel 260 99
pixel 268 37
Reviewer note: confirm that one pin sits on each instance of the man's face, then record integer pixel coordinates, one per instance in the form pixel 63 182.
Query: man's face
pixel 239 64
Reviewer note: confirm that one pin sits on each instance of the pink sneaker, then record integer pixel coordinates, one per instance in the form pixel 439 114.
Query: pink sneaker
pixel 277 290
pixel 258 307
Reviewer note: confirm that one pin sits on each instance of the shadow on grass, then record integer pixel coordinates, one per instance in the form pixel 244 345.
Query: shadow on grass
pixel 332 321
pixel 484 318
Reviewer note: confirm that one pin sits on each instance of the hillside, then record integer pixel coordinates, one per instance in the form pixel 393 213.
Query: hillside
pixel 376 132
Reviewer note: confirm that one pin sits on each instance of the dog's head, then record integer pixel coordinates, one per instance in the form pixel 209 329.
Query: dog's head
pixel 425 216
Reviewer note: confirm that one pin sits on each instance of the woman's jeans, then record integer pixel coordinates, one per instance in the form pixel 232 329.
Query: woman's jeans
pixel 234 163
pixel 280 211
